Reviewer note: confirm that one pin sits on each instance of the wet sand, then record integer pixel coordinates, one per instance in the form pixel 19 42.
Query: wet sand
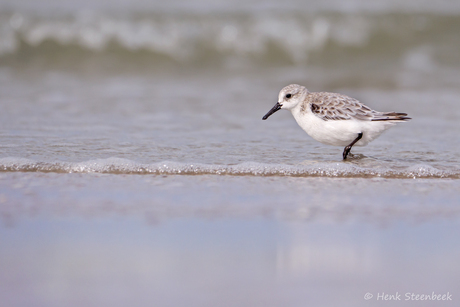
pixel 102 239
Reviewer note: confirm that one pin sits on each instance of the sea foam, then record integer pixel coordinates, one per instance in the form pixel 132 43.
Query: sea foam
pixel 320 169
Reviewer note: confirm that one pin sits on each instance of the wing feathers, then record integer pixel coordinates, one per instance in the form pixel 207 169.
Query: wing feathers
pixel 331 106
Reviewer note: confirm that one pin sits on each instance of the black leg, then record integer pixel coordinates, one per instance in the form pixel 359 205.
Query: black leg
pixel 347 149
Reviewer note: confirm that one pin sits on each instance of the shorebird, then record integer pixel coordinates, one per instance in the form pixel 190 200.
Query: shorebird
pixel 334 119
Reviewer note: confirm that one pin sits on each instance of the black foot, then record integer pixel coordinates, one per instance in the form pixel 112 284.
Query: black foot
pixel 347 149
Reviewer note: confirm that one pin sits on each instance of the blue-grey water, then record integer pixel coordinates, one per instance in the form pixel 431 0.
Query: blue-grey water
pixel 135 168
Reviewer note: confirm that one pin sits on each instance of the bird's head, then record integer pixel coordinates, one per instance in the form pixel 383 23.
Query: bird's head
pixel 289 97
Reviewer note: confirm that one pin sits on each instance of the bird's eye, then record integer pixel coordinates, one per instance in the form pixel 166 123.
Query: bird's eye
pixel 288 96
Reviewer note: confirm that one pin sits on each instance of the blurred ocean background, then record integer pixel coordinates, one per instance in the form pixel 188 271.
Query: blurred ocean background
pixel 135 168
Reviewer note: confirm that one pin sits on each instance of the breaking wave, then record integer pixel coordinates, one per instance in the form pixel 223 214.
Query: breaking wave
pixel 320 169
pixel 185 37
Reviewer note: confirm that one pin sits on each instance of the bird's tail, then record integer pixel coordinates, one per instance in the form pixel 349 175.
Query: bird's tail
pixel 391 116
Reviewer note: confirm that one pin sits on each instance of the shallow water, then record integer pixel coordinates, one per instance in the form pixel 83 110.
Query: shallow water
pixel 135 166
pixel 135 124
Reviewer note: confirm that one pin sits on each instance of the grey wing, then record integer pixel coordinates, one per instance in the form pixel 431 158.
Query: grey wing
pixel 331 106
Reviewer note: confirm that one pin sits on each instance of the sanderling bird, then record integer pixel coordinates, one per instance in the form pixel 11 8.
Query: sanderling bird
pixel 334 119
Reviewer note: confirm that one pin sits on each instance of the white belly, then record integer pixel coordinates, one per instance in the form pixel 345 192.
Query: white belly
pixel 340 132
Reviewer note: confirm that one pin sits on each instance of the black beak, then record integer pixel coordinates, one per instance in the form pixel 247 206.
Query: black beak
pixel 273 110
